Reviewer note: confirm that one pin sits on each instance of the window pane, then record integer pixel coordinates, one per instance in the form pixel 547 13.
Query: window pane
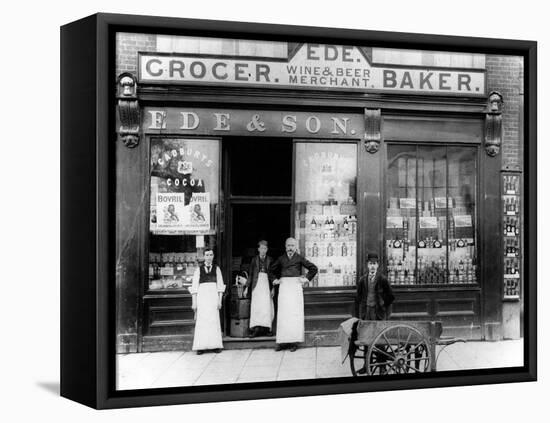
pixel 432 220
pixel 183 208
pixel 431 216
pixel 401 214
pixel 326 212
pixel 462 227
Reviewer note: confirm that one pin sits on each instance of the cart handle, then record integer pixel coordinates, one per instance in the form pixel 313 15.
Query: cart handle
pixel 445 342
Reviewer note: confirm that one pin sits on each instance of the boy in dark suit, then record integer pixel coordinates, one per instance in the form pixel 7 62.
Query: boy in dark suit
pixel 374 297
pixel 374 293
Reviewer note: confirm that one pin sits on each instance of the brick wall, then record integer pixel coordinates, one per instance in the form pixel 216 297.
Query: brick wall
pixel 505 75
pixel 127 47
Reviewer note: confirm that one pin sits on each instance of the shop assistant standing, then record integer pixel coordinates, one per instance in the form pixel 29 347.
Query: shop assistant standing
pixel 259 288
pixel 287 270
pixel 207 292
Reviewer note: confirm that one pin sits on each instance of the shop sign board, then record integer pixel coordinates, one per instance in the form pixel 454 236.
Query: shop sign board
pixel 202 121
pixel 310 66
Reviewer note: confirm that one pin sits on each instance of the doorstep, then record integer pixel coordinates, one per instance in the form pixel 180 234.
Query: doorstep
pixel 234 343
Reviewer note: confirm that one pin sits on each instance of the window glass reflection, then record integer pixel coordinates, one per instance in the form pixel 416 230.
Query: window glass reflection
pixel 326 211
pixel 430 215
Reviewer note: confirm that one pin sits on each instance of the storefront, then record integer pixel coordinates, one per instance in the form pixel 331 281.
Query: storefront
pixel 348 154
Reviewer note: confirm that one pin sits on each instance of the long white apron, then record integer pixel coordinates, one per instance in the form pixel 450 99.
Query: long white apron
pixel 290 311
pixel 261 304
pixel 208 334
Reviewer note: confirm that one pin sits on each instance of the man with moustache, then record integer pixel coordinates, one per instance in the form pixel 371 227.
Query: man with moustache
pixel 287 272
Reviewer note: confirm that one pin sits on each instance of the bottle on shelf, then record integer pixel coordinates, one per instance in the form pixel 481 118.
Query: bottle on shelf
pixel 344 250
pixel 313 223
pixel 180 266
pixel 353 224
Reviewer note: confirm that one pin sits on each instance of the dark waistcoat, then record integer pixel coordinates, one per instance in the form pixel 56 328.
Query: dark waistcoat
pixel 207 277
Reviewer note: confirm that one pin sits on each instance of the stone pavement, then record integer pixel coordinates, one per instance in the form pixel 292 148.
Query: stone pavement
pixel 179 368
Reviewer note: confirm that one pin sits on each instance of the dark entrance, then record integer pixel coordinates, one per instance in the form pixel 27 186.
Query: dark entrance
pixel 259 200
pixel 254 222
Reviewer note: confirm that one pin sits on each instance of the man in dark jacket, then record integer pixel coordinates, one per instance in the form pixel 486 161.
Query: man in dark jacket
pixel 287 272
pixel 259 288
pixel 375 297
pixel 374 293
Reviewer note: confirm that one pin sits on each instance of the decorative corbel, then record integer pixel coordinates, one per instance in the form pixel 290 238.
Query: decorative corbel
pixel 128 110
pixel 372 130
pixel 493 124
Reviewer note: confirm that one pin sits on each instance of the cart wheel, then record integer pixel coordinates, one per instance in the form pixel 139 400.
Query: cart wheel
pixel 358 361
pixel 399 349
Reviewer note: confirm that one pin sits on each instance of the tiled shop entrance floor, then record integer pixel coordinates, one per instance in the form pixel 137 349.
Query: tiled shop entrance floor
pixel 168 369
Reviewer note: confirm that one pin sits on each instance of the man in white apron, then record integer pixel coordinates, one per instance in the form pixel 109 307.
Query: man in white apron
pixel 290 309
pixel 259 288
pixel 207 292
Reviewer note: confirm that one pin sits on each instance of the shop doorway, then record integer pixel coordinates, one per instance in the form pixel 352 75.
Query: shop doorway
pixel 255 222
pixel 259 202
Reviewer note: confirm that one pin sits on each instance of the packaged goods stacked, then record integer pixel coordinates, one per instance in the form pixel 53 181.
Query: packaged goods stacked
pixel 171 270
pixel 511 229
pixel 327 236
pixel 430 259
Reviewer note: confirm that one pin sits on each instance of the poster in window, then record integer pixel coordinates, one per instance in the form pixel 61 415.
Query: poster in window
pixel 170 212
pixel 198 213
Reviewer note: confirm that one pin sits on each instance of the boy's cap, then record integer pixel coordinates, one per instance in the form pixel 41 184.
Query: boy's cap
pixel 372 257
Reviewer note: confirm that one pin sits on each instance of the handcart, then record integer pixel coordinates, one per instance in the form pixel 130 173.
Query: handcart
pixel 392 347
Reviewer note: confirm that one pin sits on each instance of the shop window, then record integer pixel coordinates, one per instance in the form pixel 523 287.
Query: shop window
pixel 325 222
pixel 431 216
pixel 183 208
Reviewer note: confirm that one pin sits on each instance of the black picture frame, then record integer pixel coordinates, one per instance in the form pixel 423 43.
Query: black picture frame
pixel 87 210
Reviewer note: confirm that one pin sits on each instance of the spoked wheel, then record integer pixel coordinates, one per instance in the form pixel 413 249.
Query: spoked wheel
pixel 357 361
pixel 399 349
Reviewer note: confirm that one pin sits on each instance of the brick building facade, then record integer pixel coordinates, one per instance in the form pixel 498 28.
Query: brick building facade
pixel 145 317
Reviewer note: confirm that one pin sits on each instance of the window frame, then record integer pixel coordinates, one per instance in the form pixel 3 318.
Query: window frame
pixel 359 238
pixel 476 216
pixel 218 258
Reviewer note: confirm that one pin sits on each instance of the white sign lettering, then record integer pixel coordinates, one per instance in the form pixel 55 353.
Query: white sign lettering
pixel 312 66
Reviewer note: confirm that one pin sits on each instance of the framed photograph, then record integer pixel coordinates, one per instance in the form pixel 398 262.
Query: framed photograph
pixel 257 211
